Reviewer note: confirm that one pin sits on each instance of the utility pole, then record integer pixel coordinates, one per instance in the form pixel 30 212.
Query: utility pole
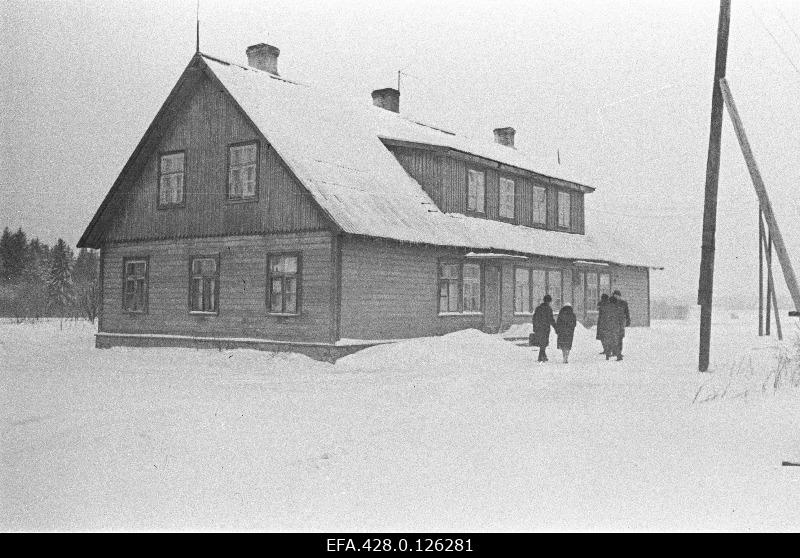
pixel 706 284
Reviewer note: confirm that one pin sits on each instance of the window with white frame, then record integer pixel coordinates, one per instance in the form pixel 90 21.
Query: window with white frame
pixel 554 288
pixel 460 287
pixel 134 297
pixel 204 286
pixel 592 298
pixel 566 295
pixel 243 171
pixel 605 284
pixel 564 209
pixel 538 286
pixel 472 288
pixel 171 178
pixel 507 198
pixel 476 191
pixel 449 287
pixel 522 290
pixel 539 205
pixel 284 278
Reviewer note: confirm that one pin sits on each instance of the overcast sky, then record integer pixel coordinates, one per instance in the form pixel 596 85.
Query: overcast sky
pixel 621 89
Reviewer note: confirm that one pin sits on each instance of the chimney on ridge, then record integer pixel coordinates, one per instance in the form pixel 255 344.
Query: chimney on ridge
pixel 263 57
pixel 387 98
pixel 505 136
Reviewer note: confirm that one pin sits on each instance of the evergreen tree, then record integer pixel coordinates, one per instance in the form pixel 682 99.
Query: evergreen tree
pixel 85 276
pixel 59 281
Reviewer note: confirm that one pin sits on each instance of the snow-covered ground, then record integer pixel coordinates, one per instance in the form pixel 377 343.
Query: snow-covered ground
pixel 466 432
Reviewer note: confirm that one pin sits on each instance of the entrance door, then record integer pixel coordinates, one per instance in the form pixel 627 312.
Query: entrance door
pixel 492 304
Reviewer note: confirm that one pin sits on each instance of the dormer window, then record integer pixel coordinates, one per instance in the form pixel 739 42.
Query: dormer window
pixel 564 210
pixel 539 205
pixel 171 179
pixel 507 196
pixel 243 171
pixel 476 191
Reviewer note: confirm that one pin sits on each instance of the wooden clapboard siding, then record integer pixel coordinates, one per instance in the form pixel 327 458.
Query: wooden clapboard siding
pixel 444 179
pixel 242 292
pixel 634 284
pixel 390 291
pixel 425 167
pixel 204 128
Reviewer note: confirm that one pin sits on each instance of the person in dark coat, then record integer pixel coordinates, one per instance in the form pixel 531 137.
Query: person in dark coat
pixel 603 324
pixel 542 321
pixel 622 320
pixel 565 329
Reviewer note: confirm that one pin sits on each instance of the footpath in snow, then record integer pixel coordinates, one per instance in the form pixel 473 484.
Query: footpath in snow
pixel 465 432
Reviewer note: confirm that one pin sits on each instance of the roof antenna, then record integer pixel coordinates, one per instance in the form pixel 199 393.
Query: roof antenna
pixel 558 154
pixel 197 44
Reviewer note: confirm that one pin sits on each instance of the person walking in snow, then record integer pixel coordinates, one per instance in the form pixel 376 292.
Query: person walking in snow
pixel 565 330
pixel 603 325
pixel 621 319
pixel 542 321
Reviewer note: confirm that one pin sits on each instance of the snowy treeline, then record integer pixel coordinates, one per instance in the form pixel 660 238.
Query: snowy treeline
pixel 37 280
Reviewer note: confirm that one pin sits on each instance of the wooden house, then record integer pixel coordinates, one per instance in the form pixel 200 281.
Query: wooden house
pixel 261 212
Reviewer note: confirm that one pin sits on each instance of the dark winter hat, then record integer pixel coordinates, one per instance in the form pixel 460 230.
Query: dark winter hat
pixel 604 297
pixel 617 293
pixel 548 298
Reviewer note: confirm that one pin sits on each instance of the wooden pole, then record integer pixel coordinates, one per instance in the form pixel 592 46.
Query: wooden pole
pixel 763 197
pixel 760 272
pixel 770 284
pixel 706 282
pixel 772 298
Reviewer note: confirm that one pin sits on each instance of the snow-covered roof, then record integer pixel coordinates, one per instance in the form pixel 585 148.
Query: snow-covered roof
pixel 334 148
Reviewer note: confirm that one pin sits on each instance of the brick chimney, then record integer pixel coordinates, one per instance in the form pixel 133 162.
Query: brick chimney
pixel 387 98
pixel 263 57
pixel 504 136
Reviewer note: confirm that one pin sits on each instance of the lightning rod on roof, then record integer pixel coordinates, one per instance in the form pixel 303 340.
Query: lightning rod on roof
pixel 197 43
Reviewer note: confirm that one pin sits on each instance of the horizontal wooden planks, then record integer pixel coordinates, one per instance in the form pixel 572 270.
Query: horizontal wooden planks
pixel 444 179
pixel 204 128
pixel 243 288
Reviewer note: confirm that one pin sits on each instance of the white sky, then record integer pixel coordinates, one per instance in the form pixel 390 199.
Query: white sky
pixel 622 89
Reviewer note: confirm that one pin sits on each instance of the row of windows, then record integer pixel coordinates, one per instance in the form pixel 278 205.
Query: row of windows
pixel 476 200
pixel 282 296
pixel 242 175
pixel 531 284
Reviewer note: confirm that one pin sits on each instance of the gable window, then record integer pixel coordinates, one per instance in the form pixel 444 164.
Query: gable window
pixel 539 205
pixel 472 288
pixel 243 171
pixel 564 209
pixel 283 281
pixel 134 297
pixel 460 288
pixel 522 290
pixel 476 191
pixel 204 286
pixel 507 196
pixel 171 178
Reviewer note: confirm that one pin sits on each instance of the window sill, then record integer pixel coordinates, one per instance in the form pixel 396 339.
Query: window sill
pixel 202 313
pixel 242 200
pixel 283 315
pixel 460 314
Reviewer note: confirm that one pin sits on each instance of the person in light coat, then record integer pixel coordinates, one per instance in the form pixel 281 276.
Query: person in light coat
pixel 565 329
